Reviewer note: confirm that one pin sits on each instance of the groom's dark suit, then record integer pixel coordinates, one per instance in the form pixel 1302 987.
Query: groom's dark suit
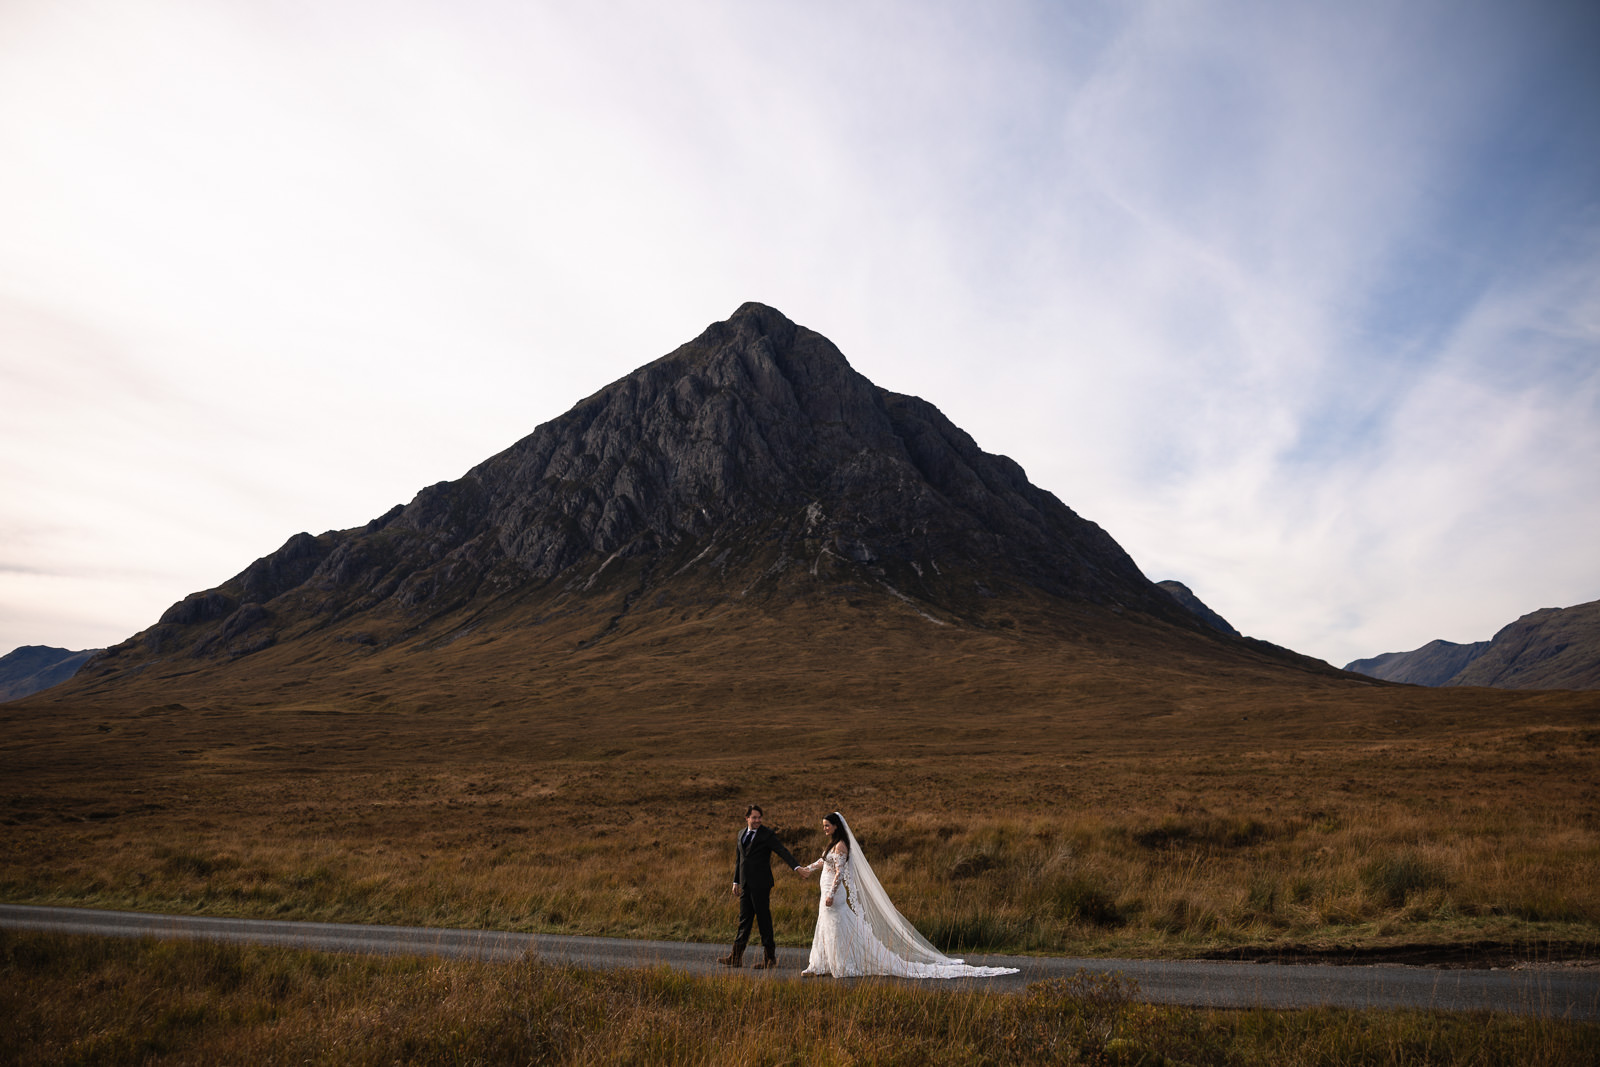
pixel 752 873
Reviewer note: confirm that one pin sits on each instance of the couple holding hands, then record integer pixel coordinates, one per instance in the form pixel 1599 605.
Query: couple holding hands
pixel 859 932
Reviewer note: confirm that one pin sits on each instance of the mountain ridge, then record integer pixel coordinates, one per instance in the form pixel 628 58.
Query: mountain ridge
pixel 1197 607
pixel 30 669
pixel 1552 648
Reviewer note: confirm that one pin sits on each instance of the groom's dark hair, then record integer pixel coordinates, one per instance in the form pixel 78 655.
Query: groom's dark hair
pixel 754 807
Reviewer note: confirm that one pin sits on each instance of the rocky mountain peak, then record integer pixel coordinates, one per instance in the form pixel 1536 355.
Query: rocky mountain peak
pixel 751 461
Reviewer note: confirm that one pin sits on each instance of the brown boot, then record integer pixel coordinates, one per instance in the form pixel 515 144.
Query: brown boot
pixel 735 958
pixel 768 961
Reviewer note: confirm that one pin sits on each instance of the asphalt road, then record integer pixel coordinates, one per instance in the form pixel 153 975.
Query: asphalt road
pixel 1559 992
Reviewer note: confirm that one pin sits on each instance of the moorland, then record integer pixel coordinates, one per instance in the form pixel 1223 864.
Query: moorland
pixel 1017 793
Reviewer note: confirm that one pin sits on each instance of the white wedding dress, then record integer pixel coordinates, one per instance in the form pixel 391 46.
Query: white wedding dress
pixel 863 934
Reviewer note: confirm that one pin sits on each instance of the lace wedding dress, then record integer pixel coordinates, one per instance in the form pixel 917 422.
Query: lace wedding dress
pixel 863 934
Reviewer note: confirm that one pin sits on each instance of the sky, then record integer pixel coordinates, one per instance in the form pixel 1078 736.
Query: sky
pixel 1299 301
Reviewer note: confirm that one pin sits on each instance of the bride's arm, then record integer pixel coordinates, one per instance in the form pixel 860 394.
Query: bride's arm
pixel 838 872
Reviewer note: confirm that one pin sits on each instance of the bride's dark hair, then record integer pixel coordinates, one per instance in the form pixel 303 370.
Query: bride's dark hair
pixel 839 836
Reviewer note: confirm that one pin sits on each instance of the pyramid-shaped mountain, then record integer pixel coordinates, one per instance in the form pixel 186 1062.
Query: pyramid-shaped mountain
pixel 753 468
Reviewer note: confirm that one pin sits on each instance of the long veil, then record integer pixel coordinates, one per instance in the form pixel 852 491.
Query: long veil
pixel 873 904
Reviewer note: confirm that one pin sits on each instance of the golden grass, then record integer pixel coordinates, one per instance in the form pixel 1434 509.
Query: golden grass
pixel 1081 782
pixel 1116 789
pixel 1487 835
pixel 83 1000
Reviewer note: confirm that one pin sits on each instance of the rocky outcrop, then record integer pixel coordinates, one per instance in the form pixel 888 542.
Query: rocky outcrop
pixel 1553 648
pixel 33 668
pixel 754 461
pixel 1196 607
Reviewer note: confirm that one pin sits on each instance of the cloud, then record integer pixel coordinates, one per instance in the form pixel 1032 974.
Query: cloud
pixel 1272 316
pixel 1295 300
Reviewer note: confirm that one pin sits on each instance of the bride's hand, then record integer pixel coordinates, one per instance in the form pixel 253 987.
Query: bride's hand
pixel 828 900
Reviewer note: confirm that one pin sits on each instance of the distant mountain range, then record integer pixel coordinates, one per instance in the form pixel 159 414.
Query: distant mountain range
pixel 749 497
pixel 32 668
pixel 1552 648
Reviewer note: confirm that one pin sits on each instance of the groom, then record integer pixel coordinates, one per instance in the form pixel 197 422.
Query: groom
pixel 752 884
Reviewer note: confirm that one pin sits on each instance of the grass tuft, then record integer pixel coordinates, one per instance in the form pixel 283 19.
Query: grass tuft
pixel 1393 879
pixel 1085 901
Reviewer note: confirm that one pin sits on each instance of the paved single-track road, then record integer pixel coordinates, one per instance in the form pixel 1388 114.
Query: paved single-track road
pixel 1554 991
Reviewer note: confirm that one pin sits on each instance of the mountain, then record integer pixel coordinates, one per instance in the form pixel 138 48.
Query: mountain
pixel 1552 648
pixel 31 668
pixel 1197 607
pixel 1435 663
pixel 749 492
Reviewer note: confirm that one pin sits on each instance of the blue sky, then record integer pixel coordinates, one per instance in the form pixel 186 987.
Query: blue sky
pixel 1300 301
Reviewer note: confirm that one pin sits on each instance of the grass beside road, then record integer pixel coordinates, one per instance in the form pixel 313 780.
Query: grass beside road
pixel 67 1000
pixel 1486 833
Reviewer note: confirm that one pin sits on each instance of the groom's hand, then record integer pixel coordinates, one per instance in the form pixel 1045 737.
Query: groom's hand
pixel 736 889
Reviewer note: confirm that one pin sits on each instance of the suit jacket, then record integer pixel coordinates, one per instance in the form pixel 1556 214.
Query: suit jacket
pixel 752 864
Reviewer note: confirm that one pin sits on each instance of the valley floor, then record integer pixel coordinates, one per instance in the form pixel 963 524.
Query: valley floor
pixel 1395 823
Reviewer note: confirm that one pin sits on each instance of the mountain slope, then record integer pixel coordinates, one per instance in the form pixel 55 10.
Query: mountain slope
pixel 1552 648
pixel 750 473
pixel 1197 607
pixel 1435 663
pixel 32 668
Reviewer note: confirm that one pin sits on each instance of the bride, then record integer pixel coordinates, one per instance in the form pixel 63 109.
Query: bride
pixel 859 932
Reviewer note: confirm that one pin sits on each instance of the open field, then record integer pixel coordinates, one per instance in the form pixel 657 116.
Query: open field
pixel 86 1000
pixel 1112 789
pixel 1015 795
